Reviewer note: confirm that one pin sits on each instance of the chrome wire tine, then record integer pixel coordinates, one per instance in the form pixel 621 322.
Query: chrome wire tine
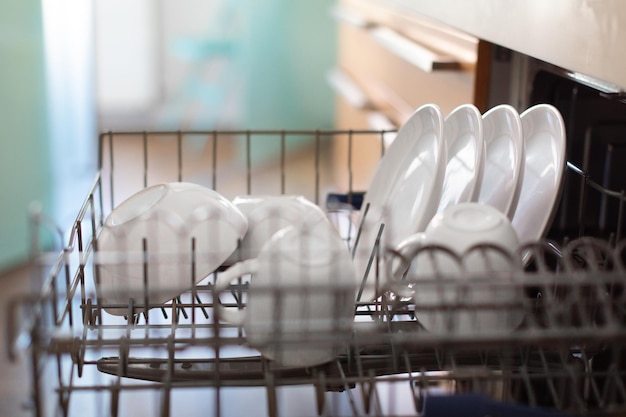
pixel 320 392
pixel 175 316
pixel 130 316
pixel 146 297
pixel 181 309
pixel 166 390
pixel 115 396
pixel 373 255
pixel 593 390
pixel 201 305
pixel 146 320
pixel 179 154
pixel 271 394
pixel 165 403
pixel 145 159
pixel 111 182
pixel 360 229
pixel 248 163
pixel 620 216
pixel 214 161
pixel 367 392
pixel 317 168
pixel 350 170
pixel 548 377
pixel 194 290
pixel 377 401
pixel 347 389
pixel 573 370
pixel 283 152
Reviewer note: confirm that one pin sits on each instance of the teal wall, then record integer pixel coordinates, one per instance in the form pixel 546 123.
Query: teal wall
pixel 25 171
pixel 279 52
pixel 47 107
pixel 289 47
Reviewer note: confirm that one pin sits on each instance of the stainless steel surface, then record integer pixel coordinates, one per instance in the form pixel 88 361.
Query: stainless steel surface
pixel 179 358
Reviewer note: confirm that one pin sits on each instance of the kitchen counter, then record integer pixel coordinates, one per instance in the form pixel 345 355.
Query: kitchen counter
pixel 581 35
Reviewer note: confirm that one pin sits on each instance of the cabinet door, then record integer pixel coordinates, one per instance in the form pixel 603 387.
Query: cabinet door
pixel 402 62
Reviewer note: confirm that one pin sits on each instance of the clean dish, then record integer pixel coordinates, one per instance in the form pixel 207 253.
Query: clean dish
pixel 266 215
pixel 483 239
pixel 301 289
pixel 463 136
pixel 391 165
pixel 459 228
pixel 504 159
pixel 404 191
pixel 544 156
pixel 166 218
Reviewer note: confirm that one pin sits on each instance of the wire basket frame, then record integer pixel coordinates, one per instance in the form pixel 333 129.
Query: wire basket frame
pixel 562 349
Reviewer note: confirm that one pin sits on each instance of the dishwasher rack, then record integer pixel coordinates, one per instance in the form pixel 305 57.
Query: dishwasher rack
pixel 566 352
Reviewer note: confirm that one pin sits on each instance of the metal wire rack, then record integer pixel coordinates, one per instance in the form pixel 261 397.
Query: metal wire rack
pixel 562 353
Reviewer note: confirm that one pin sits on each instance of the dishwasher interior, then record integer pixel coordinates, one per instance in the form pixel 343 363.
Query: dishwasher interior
pixel 564 356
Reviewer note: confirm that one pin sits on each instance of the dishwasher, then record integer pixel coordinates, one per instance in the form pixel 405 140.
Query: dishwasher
pixel 178 358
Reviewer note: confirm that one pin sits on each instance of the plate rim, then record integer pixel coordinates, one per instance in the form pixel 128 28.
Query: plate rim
pixel 479 155
pixel 434 188
pixel 518 144
pixel 547 219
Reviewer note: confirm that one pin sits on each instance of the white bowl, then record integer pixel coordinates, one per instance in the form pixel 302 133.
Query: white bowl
pixel 301 289
pixel 188 231
pixel 268 214
pixel 461 263
pixel 464 225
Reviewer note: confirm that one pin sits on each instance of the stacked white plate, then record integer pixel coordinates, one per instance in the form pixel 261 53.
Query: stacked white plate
pixel 503 159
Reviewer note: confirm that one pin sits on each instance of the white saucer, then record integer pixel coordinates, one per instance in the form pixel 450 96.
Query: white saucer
pixel 404 192
pixel 545 159
pixel 504 159
pixel 463 137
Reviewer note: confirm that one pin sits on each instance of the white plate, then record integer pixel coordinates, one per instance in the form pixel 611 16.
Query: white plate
pixel 166 218
pixel 388 168
pixel 404 191
pixel 504 159
pixel 463 137
pixel 544 156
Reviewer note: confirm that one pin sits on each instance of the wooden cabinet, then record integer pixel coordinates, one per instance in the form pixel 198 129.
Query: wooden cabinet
pixel 401 61
pixel 390 63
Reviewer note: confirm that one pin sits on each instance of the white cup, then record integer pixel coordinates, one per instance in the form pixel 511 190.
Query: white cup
pixel 460 271
pixel 300 301
pixel 268 214
pixel 169 217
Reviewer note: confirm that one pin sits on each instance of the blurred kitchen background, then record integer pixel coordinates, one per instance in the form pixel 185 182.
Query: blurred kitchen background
pixel 70 69
pixel 73 68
